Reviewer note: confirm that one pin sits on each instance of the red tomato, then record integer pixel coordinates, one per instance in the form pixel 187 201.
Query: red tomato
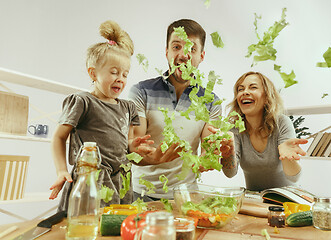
pixel 131 224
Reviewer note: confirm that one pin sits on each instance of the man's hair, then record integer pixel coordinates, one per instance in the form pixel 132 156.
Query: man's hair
pixel 191 27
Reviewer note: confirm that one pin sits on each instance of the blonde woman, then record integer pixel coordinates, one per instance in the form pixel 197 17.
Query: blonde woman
pixel 267 150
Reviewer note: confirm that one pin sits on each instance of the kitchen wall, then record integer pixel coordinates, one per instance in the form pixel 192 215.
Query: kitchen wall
pixel 49 39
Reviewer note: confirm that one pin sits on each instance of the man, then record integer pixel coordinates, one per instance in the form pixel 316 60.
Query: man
pixel 172 93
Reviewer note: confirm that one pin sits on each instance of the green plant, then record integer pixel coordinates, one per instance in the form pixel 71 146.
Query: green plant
pixel 299 131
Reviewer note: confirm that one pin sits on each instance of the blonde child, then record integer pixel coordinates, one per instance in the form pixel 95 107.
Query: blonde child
pixel 99 116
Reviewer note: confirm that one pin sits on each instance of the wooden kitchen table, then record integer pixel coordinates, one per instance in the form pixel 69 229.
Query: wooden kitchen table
pixel 242 227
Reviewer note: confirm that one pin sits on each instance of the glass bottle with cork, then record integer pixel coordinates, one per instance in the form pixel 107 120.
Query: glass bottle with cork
pixel 84 201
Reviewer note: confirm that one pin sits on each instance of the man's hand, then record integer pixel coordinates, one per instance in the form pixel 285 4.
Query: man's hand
pixel 290 149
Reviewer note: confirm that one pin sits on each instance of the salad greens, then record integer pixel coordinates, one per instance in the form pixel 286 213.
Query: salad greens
pixel 217 40
pixel 134 157
pixel 167 205
pixel 213 205
pixel 327 58
pixel 150 186
pixel 143 61
pixel 163 179
pixel 106 194
pixel 126 184
pixel 140 204
pixel 287 78
pixel 264 48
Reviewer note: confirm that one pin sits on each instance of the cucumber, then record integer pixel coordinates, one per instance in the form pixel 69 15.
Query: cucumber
pixel 110 224
pixel 299 219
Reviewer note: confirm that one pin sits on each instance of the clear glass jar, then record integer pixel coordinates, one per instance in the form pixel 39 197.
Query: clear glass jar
pixel 84 201
pixel 322 213
pixel 276 216
pixel 159 226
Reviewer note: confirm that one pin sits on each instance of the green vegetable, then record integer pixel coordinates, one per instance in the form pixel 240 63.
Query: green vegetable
pixel 110 224
pixel 143 61
pixel 164 180
pixel 126 167
pixel 299 219
pixel 287 78
pixel 265 233
pixel 327 58
pixel 134 157
pixel 106 194
pixel 264 48
pixel 140 204
pixel 126 184
pixel 217 40
pixel 166 204
pixel 207 3
pixel 213 205
pixel 150 186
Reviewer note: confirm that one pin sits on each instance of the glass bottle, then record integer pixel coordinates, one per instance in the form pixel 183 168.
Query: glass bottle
pixel 159 226
pixel 276 216
pixel 84 201
pixel 322 213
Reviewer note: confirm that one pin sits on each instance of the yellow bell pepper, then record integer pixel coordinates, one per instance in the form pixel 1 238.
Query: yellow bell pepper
pixel 120 209
pixel 291 207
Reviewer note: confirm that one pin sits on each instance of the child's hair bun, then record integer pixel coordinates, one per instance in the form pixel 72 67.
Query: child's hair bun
pixel 113 32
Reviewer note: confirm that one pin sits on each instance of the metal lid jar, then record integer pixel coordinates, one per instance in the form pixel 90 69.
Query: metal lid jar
pixel 322 213
pixel 276 216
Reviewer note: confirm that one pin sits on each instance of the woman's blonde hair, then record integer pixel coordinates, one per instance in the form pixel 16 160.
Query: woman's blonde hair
pixel 273 106
pixel 118 42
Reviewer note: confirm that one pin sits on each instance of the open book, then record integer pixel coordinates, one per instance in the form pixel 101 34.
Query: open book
pixel 287 194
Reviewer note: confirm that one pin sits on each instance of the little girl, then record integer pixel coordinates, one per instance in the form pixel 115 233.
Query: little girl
pixel 99 116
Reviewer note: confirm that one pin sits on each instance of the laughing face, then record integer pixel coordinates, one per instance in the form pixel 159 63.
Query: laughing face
pixel 110 78
pixel 174 51
pixel 251 96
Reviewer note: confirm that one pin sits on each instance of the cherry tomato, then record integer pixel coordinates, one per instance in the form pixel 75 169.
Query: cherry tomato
pixel 131 224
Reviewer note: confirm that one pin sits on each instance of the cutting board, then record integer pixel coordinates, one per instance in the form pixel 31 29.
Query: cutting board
pixel 256 208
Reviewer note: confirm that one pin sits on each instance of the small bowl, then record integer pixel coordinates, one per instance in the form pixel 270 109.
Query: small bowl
pixel 213 207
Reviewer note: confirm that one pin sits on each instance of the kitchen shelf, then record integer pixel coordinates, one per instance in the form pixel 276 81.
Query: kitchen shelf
pixel 37 82
pixel 309 110
pixel 25 138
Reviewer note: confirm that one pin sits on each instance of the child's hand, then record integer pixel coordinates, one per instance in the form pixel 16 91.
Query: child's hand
pixel 60 181
pixel 141 145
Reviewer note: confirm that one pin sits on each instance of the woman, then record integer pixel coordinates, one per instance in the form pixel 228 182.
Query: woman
pixel 267 150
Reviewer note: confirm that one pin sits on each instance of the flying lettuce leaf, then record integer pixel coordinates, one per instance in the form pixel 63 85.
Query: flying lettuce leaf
pixel 134 157
pixel 106 194
pixel 140 204
pixel 167 205
pixel 207 3
pixel 287 78
pixel 150 186
pixel 126 184
pixel 327 58
pixel 142 60
pixel 217 40
pixel 126 167
pixel 180 32
pixel 264 48
pixel 163 179
pixel 325 95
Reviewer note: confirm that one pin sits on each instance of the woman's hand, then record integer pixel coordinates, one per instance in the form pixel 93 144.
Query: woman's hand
pixel 226 146
pixel 60 181
pixel 290 149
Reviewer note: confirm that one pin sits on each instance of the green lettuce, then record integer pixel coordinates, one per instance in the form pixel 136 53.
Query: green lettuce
pixel 327 58
pixel 163 179
pixel 134 157
pixel 287 78
pixel 140 204
pixel 142 60
pixel 106 194
pixel 264 48
pixel 150 186
pixel 217 40
pixel 167 205
pixel 126 180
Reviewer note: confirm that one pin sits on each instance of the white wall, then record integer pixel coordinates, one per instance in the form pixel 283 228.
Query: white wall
pixel 49 39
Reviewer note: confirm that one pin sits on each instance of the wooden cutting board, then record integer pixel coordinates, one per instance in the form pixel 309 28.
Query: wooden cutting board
pixel 254 207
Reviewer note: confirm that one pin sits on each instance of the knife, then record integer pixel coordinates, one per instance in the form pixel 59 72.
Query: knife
pixel 43 227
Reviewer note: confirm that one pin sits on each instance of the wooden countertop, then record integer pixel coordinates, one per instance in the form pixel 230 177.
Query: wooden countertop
pixel 242 227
